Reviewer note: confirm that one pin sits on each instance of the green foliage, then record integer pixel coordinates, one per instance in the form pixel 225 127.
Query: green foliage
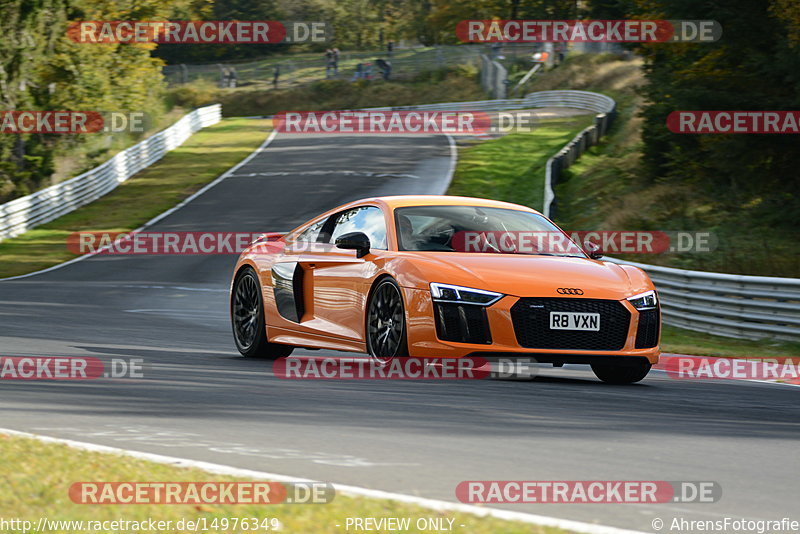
pixel 28 36
pixel 41 69
pixel 609 187
pixel 744 189
pixel 193 95
pixel 755 66
pixel 218 10
pixel 444 85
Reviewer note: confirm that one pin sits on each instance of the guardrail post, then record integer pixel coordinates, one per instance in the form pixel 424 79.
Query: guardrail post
pixel 555 177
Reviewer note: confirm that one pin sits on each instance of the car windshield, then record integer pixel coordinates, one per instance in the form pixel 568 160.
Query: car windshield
pixel 480 229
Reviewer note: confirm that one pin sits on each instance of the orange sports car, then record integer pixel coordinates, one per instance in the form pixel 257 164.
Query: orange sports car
pixel 443 276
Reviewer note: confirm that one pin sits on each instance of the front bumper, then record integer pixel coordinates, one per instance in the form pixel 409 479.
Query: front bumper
pixel 508 329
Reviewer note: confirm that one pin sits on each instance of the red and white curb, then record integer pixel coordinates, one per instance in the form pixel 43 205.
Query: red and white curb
pixel 667 364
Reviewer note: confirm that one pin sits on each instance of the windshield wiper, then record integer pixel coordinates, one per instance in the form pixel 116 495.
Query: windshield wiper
pixel 554 254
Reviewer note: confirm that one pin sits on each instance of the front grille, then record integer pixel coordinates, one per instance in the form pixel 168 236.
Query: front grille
pixel 647 332
pixel 531 318
pixel 465 323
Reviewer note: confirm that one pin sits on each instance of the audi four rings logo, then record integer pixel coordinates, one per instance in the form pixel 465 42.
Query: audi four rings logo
pixel 569 291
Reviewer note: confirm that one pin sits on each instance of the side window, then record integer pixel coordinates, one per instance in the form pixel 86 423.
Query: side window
pixel 367 219
pixel 310 234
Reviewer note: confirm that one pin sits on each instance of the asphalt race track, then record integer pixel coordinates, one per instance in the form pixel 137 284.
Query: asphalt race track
pixel 201 400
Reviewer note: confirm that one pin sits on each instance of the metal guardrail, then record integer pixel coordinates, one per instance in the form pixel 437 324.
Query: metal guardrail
pixel 750 307
pixel 607 111
pixel 24 213
pixel 542 99
pixel 494 77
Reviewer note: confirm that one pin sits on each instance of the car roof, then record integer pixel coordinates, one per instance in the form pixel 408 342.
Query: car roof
pixel 402 201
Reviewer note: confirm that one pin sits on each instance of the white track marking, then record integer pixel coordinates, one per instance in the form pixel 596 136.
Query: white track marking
pixel 180 311
pixel 453 161
pixel 177 288
pixel 432 504
pixel 368 174
pixel 157 218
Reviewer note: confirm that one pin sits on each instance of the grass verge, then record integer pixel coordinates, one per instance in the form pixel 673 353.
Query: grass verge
pixel 453 84
pixel 37 477
pixel 681 341
pixel 512 168
pixel 202 158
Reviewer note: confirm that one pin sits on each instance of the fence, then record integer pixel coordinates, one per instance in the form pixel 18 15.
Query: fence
pixel 494 77
pixel 405 62
pixel 24 213
pixel 299 70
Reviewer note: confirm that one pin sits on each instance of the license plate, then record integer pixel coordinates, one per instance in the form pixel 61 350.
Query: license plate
pixel 574 321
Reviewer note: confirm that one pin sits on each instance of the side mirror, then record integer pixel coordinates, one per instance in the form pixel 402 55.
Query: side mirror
pixel 593 250
pixel 357 241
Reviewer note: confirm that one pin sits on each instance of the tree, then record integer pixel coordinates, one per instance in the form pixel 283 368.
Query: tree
pixel 755 66
pixel 42 69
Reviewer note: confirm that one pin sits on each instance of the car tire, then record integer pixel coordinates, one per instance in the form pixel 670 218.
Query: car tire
pixel 386 322
pixel 247 319
pixel 621 374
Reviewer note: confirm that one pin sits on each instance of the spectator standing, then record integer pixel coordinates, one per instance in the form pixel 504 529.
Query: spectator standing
pixel 385 66
pixel 561 52
pixel 328 62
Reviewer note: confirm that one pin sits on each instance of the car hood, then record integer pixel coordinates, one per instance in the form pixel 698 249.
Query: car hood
pixel 527 275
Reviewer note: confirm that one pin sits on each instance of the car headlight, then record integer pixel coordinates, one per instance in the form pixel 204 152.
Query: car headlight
pixel 644 301
pixel 463 295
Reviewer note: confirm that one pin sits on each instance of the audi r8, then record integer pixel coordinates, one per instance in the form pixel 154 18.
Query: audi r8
pixel 444 277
